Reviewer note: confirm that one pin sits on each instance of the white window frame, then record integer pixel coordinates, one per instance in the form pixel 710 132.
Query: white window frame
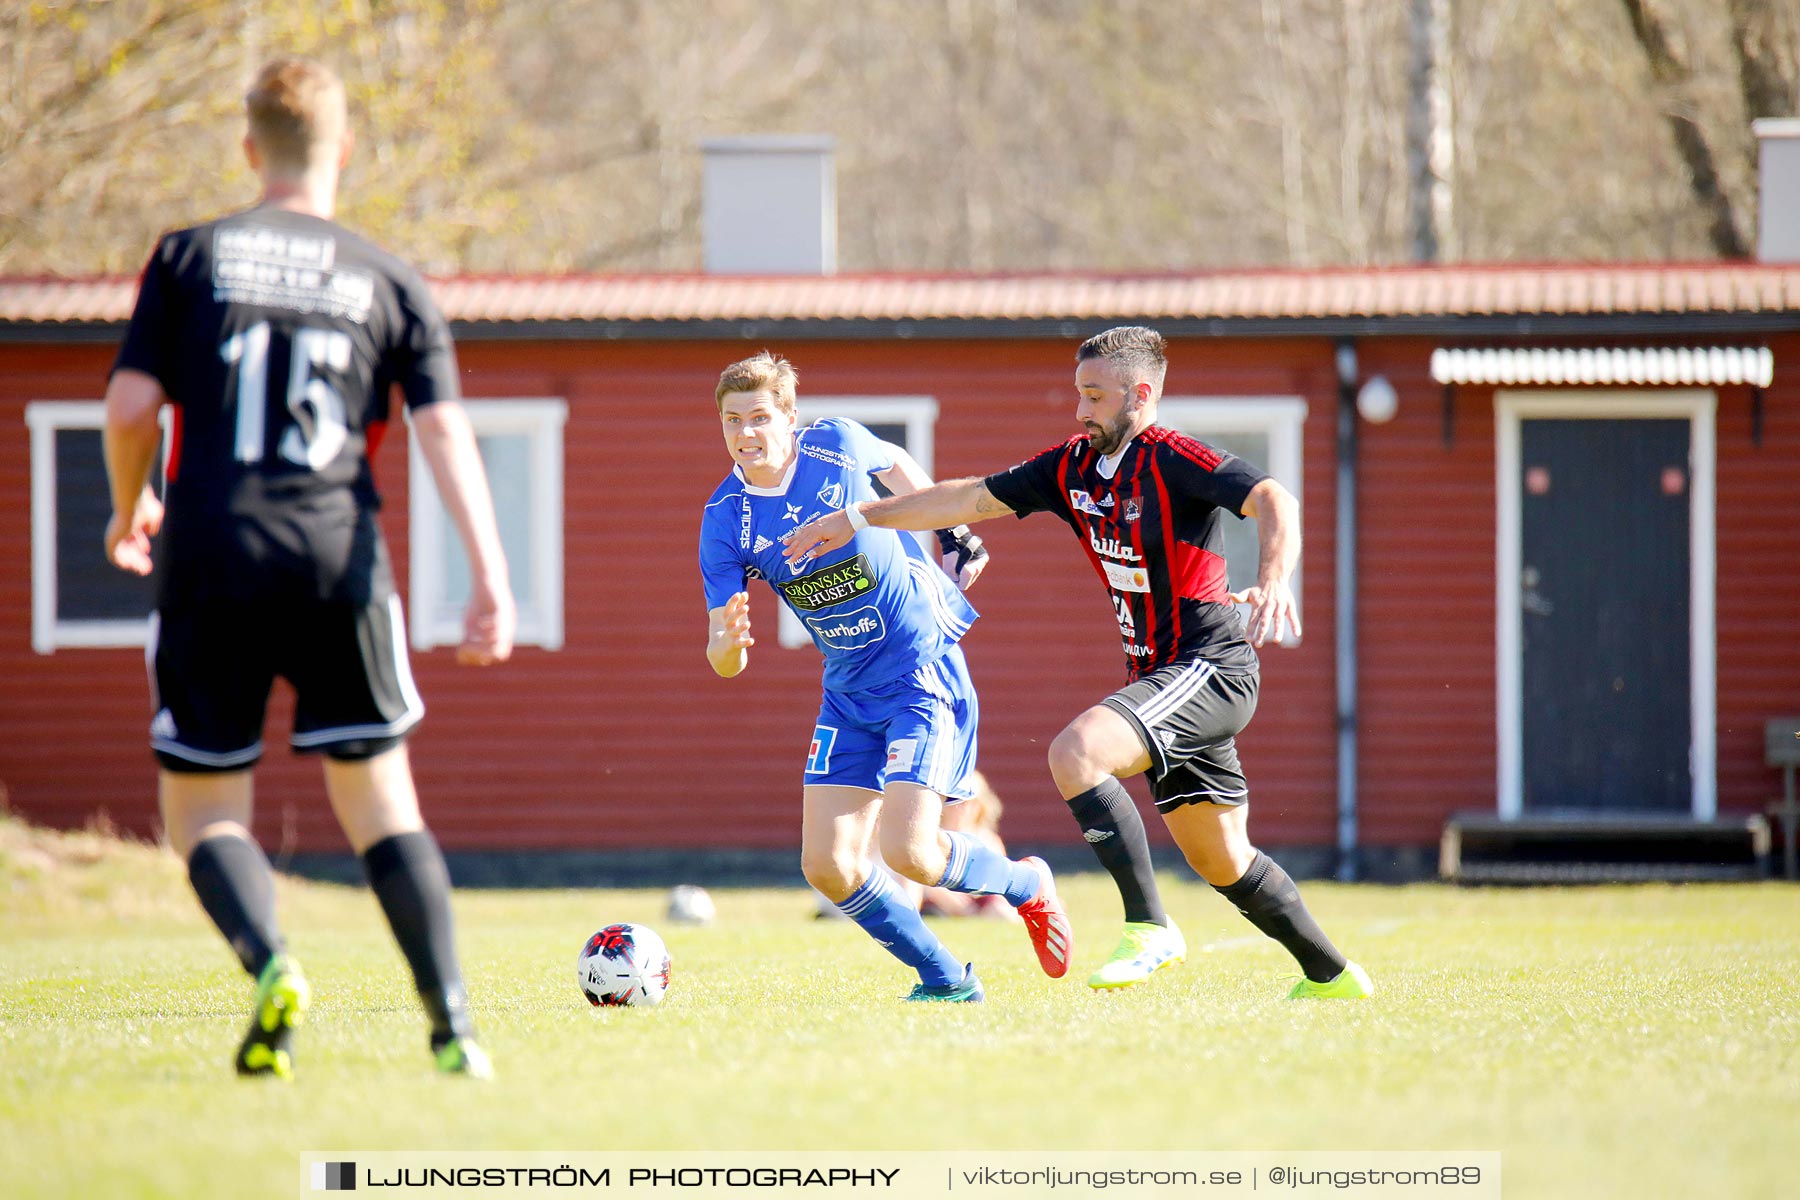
pixel 1699 407
pixel 435 620
pixel 49 632
pixel 917 413
pixel 1282 419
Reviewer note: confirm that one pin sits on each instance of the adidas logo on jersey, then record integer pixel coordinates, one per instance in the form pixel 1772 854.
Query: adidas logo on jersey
pixel 762 543
pixel 1096 836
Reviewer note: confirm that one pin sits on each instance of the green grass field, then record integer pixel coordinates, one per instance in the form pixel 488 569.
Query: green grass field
pixel 1633 1041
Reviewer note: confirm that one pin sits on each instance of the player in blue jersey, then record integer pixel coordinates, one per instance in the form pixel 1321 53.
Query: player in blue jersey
pixel 1146 503
pixel 895 738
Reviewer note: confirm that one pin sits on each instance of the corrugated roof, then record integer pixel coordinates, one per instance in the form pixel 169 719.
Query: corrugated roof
pixel 1375 294
pixel 1704 365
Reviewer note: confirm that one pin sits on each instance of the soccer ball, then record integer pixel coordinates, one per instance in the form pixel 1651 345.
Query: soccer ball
pixel 624 965
pixel 690 905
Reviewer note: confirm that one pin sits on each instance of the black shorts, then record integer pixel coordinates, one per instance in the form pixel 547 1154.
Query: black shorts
pixel 1188 715
pixel 212 665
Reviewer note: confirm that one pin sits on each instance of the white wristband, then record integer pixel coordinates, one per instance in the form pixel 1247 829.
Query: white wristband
pixel 854 515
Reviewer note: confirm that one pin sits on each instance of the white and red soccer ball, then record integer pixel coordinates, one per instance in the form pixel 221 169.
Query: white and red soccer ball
pixel 624 966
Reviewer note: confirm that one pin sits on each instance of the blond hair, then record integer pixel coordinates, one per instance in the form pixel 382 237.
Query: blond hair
pixel 760 372
pixel 297 113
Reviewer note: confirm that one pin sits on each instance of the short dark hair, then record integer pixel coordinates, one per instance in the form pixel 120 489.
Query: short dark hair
pixel 1136 351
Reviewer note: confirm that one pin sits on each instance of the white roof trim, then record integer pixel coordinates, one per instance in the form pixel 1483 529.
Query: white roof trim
pixel 1686 366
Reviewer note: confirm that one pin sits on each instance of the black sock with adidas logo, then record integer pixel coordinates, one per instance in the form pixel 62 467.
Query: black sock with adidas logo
pixel 1110 823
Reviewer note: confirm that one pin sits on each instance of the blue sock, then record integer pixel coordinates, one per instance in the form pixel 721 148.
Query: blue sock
pixel 975 867
pixel 886 915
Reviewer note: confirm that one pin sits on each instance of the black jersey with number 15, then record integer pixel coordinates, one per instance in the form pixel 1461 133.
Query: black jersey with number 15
pixel 1148 518
pixel 279 337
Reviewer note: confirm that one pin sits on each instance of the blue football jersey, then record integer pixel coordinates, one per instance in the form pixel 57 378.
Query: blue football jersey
pixel 877 608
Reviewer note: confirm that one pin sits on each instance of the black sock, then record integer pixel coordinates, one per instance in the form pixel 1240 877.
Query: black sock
pixel 1271 902
pixel 236 887
pixel 1110 822
pixel 409 877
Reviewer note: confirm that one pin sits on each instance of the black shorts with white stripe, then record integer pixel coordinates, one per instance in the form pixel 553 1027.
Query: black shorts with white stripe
pixel 1188 715
pixel 212 666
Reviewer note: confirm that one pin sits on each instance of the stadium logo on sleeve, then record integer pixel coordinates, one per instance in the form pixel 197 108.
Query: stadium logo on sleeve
pixel 744 526
pixel 830 586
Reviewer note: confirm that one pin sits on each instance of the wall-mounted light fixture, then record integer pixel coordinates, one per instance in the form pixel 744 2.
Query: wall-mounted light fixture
pixel 1377 401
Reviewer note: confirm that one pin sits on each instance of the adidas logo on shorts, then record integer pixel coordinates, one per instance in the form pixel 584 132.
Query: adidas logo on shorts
pixel 1096 836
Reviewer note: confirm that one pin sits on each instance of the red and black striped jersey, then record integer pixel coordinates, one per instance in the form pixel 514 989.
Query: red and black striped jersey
pixel 1148 520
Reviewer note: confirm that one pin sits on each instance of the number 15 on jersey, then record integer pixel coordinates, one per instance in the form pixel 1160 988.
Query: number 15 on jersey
pixel 318 432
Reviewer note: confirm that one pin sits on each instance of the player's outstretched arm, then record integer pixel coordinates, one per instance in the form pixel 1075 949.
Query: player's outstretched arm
pixel 941 506
pixel 448 443
pixel 133 399
pixel 964 555
pixel 1271 601
pixel 728 639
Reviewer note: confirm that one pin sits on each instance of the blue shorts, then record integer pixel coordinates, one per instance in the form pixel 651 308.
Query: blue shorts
pixel 919 729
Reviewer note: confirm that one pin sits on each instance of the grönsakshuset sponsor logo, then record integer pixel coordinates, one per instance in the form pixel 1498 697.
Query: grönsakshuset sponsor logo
pixel 832 585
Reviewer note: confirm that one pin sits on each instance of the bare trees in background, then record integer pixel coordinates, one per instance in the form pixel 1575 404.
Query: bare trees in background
pixel 972 134
pixel 1761 37
pixel 96 110
pixel 119 121
pixel 1675 87
pixel 1430 137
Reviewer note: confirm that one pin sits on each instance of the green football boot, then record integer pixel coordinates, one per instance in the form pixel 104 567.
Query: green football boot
pixel 1351 983
pixel 1144 948
pixel 281 999
pixel 969 991
pixel 464 1056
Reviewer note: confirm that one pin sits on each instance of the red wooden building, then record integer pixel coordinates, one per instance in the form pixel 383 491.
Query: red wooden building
pixel 1573 587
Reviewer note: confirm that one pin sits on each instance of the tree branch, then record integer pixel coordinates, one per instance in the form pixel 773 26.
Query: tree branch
pixel 1674 80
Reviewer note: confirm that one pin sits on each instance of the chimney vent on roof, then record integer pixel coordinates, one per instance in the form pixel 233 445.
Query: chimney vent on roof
pixel 770 204
pixel 1778 178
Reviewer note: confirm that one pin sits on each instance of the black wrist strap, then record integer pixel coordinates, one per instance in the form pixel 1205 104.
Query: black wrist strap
pixel 965 545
